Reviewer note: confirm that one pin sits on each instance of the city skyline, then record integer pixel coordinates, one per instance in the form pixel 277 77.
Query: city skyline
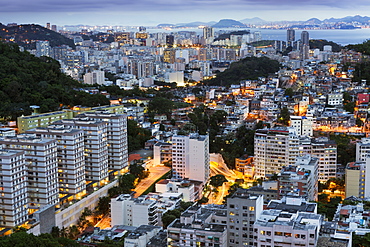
pixel 144 12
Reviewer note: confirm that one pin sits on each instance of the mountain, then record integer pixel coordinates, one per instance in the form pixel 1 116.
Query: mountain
pixel 356 18
pixel 226 23
pixel 26 35
pixel 254 20
pixel 313 21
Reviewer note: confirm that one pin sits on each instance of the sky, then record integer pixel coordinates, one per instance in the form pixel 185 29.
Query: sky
pixel 150 13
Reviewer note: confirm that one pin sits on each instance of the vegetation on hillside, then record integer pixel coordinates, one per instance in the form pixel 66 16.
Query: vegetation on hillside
pixel 26 35
pixel 249 68
pixel 364 48
pixel 320 43
pixel 27 80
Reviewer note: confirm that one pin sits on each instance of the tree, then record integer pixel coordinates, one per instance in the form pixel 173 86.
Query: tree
pixel 136 136
pixel 167 219
pixel 103 206
pixel 284 116
pixel 160 105
pixel 217 180
pixel 138 171
pixel 289 92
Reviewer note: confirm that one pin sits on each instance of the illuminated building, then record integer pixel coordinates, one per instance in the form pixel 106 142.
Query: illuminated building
pixel 243 209
pixel 71 159
pixel 126 210
pixel 13 205
pixel 273 149
pixel 116 136
pixel 42 167
pixel 290 37
pixel 169 56
pixel 190 157
pixel 96 148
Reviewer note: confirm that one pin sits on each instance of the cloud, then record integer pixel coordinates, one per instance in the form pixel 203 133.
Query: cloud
pixel 163 5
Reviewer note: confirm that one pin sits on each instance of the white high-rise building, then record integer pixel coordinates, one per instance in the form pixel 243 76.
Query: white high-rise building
pixel 362 149
pixel 273 149
pixel 42 167
pixel 71 159
pixel 43 48
pixel 95 77
pixel 126 210
pixel 116 137
pixel 302 125
pixel 96 146
pixel 13 180
pixel 190 157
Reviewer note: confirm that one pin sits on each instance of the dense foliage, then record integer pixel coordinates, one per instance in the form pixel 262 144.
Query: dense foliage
pixel 171 215
pixel 27 80
pixel 364 48
pixel 136 136
pixel 43 240
pixel 263 43
pixel 249 68
pixel 320 43
pixel 345 148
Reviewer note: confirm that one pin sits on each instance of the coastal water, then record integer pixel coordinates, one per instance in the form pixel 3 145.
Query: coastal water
pixel 340 36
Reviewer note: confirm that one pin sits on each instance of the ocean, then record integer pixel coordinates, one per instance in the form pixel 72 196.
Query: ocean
pixel 340 36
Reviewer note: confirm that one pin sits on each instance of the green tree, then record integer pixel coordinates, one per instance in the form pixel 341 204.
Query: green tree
pixel 160 105
pixel 217 180
pixel 103 206
pixel 136 136
pixel 284 116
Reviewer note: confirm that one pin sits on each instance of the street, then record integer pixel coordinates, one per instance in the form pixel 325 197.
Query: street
pixel 155 173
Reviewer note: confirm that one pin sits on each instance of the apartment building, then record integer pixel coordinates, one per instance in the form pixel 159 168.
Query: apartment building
pixel 242 211
pixel 300 179
pixel 42 167
pixel 126 210
pixel 198 227
pixel 273 149
pixel 71 159
pixel 95 147
pixel 190 157
pixel 13 181
pixel 116 136
pixel 279 228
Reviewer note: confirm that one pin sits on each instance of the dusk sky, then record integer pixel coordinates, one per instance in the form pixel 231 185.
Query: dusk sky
pixel 145 12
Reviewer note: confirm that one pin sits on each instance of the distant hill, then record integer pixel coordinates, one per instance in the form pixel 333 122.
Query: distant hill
pixel 356 18
pixel 320 43
pixel 26 35
pixel 226 23
pixel 227 35
pixel 254 20
pixel 313 21
pixel 249 68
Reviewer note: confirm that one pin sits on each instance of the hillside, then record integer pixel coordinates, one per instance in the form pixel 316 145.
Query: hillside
pixel 27 80
pixel 27 35
pixel 249 68
pixel 320 43
pixel 226 23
